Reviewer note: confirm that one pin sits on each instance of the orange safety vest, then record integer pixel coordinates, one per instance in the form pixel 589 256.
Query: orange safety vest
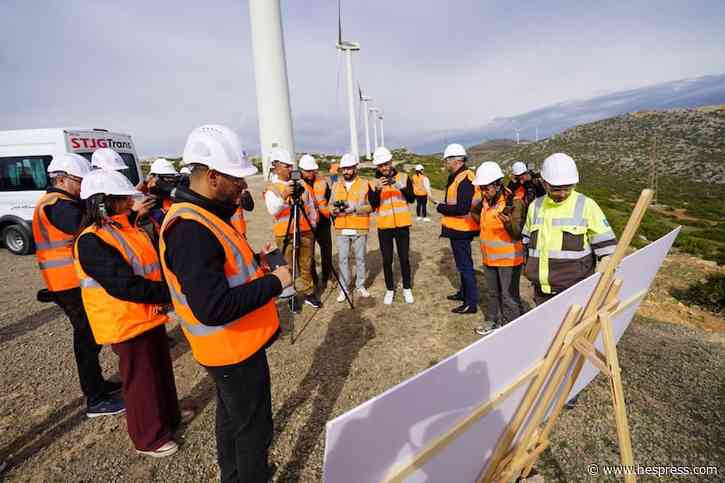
pixel 520 193
pixel 113 320
pixel 418 185
pixel 238 221
pixel 320 188
pixel 357 196
pixel 464 222
pixel 393 211
pixel 233 342
pixel 54 248
pixel 282 218
pixel 497 247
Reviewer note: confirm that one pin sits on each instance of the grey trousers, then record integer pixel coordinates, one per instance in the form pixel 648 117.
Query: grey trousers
pixel 357 244
pixel 504 300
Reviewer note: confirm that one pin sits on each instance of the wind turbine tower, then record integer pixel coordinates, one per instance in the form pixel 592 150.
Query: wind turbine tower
pixel 348 48
pixel 366 117
pixel 382 129
pixel 374 111
pixel 270 71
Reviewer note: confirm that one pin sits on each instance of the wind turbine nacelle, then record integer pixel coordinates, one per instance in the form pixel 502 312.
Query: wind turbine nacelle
pixel 347 45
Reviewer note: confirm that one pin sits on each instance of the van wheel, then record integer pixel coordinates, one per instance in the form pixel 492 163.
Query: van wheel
pixel 17 239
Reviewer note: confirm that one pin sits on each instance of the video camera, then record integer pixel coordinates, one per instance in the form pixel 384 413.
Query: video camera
pixel 341 205
pixel 297 189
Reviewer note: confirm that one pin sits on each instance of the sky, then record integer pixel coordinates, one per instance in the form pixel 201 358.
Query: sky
pixel 157 69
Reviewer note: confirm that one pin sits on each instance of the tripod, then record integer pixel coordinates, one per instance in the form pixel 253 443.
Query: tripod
pixel 297 207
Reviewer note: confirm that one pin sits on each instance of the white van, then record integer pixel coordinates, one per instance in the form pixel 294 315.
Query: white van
pixel 24 158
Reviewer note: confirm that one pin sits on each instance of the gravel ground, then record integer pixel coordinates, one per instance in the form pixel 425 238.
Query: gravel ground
pixel 672 359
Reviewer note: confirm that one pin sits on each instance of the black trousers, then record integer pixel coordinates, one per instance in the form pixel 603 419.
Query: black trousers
pixel 243 419
pixel 84 345
pixel 401 236
pixel 421 207
pixel 323 237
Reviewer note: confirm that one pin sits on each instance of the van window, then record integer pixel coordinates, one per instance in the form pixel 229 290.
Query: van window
pixel 131 173
pixel 24 173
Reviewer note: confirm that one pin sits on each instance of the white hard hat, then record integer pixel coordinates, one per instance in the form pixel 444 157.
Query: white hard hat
pixel 70 163
pixel 381 155
pixel 281 155
pixel 487 173
pixel 107 158
pixel 163 166
pixel 560 170
pixel 219 148
pixel 107 182
pixel 454 150
pixel 419 167
pixel 519 168
pixel 308 163
pixel 348 161
pixel 185 170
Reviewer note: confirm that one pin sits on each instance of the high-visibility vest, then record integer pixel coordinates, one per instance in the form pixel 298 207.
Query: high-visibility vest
pixel 238 222
pixel 463 222
pixel 114 320
pixel 419 185
pixel 320 188
pixel 357 196
pixel 235 341
pixel 54 248
pixel 282 218
pixel 393 211
pixel 563 240
pixel 497 247
pixel 520 193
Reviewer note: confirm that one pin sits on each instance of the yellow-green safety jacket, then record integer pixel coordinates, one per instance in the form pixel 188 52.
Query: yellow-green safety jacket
pixel 564 241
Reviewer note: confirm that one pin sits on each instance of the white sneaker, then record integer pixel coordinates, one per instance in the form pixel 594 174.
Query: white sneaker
pixel 341 296
pixel 363 292
pixel 165 450
pixel 408 295
pixel 388 299
pixel 418 218
pixel 426 219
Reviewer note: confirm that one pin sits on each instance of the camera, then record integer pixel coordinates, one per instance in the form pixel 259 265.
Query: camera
pixel 295 175
pixel 340 205
pixel 389 180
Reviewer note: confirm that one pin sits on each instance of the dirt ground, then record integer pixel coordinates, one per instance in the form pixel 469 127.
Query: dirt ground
pixel 673 360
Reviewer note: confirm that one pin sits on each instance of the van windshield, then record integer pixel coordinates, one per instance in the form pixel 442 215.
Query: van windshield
pixel 24 173
pixel 131 173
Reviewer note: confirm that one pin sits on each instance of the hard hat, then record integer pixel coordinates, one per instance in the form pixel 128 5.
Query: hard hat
pixel 560 170
pixel 107 182
pixel 163 167
pixel 487 173
pixel 107 158
pixel 348 161
pixel 70 163
pixel 419 167
pixel 281 155
pixel 454 150
pixel 308 163
pixel 218 148
pixel 381 156
pixel 185 170
pixel 519 168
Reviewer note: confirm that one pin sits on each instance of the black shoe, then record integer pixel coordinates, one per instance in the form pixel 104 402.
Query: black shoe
pixel 112 388
pixel 294 305
pixel 314 301
pixel 465 309
pixel 456 297
pixel 570 404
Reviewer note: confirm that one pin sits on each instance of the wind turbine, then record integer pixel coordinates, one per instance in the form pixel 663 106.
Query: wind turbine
pixel 364 101
pixel 517 135
pixel 374 111
pixel 382 129
pixel 348 48
pixel 537 134
pixel 270 70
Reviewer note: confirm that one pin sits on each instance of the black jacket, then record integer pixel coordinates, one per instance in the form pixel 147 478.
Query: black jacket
pixel 408 193
pixel 462 207
pixel 65 215
pixel 197 259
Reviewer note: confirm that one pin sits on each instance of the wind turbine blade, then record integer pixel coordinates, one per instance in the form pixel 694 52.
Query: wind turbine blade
pixel 339 22
pixel 359 91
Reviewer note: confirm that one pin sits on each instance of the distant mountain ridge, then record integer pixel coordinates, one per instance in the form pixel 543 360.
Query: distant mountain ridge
pixel 700 91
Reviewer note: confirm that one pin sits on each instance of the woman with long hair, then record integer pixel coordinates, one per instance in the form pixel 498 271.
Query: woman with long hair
pixel 126 300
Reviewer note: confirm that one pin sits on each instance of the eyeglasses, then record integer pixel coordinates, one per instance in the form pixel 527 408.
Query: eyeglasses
pixel 232 179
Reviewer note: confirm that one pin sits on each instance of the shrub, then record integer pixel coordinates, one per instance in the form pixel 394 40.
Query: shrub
pixel 709 294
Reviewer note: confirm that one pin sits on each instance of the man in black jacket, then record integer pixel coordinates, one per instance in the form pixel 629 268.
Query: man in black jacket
pixel 458 225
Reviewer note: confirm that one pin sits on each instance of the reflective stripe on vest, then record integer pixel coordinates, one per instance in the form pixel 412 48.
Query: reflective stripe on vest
pixel 497 246
pixel 54 248
pixel 113 320
pixel 235 341
pixel 356 197
pixel 319 189
pixel 393 211
pixel 282 218
pixel 419 185
pixel 576 220
pixel 465 222
pixel 238 222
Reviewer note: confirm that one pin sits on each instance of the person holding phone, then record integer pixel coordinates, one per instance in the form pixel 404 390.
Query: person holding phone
pixel 500 216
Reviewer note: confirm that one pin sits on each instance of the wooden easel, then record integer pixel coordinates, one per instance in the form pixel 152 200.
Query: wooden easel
pixel 572 347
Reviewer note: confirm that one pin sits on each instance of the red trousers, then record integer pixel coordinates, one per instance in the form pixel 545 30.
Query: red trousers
pixel 149 390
